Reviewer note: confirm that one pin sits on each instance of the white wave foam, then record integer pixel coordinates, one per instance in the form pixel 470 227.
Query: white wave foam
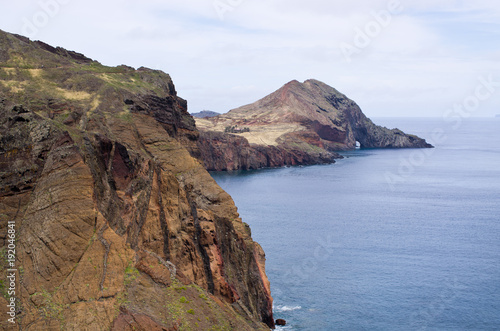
pixel 283 328
pixel 287 308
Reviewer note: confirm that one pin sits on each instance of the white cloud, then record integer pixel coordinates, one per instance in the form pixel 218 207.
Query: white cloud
pixel 425 59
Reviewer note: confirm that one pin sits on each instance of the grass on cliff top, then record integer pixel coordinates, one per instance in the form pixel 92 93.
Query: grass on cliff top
pixel 131 82
pixel 93 91
pixel 56 86
pixel 75 83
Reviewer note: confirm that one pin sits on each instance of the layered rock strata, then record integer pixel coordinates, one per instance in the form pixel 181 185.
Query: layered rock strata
pixel 118 225
pixel 301 123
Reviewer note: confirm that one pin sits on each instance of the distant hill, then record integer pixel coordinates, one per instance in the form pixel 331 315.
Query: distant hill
pixel 205 114
pixel 301 123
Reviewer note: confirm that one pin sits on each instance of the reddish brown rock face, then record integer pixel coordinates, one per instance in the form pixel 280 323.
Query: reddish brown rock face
pixel 128 321
pixel 222 152
pixel 301 123
pixel 119 226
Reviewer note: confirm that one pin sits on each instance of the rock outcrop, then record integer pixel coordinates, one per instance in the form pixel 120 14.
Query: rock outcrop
pixel 226 152
pixel 309 119
pixel 118 226
pixel 205 114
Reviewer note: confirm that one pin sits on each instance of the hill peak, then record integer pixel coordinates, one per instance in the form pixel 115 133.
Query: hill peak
pixel 312 112
pixel 34 54
pixel 309 84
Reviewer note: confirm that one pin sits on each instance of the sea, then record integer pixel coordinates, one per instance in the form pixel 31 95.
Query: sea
pixel 384 239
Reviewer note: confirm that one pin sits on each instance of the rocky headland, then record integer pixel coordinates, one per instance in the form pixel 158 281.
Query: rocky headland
pixel 299 124
pixel 118 226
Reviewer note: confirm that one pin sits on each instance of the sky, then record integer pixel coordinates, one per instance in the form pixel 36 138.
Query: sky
pixel 395 58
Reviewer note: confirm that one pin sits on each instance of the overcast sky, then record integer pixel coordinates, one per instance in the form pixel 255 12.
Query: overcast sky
pixel 394 58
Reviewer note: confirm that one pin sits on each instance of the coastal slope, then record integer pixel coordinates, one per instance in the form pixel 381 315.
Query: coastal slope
pixel 301 123
pixel 118 225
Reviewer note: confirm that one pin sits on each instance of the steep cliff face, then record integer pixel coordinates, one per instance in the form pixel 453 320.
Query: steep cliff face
pixel 118 226
pixel 226 152
pixel 310 118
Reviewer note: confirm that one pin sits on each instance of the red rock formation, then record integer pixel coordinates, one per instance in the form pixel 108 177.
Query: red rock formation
pixel 118 225
pixel 309 122
pixel 222 152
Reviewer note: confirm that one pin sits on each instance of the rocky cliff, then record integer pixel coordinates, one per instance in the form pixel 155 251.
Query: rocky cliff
pixel 117 225
pixel 311 120
pixel 226 152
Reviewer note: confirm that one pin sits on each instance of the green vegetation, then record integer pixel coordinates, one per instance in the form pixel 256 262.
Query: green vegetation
pixel 131 274
pixel 3 290
pixel 126 116
pixel 67 93
pixel 303 146
pixel 49 83
pixel 51 308
pixel 97 67
pixel 193 309
pixel 178 286
pixel 131 82
pixel 121 300
pixel 247 229
pixel 3 268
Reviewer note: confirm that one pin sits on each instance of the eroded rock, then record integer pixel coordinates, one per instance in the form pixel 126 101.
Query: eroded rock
pixel 119 226
pixel 299 124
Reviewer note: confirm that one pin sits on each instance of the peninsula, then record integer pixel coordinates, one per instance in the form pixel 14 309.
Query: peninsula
pixel 299 124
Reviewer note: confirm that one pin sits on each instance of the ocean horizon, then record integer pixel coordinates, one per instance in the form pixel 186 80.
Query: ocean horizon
pixel 396 239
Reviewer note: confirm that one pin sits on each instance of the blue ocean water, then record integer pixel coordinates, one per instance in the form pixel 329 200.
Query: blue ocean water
pixel 384 239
